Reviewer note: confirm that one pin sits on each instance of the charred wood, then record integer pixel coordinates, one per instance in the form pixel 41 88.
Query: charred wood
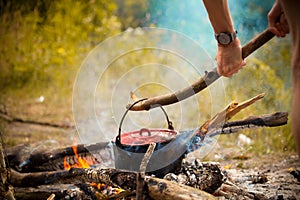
pixel 118 178
pixel 168 190
pixel 61 191
pixel 53 160
pixel 205 176
pixel 268 120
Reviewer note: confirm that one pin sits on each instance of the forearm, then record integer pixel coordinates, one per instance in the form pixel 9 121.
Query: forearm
pixel 219 15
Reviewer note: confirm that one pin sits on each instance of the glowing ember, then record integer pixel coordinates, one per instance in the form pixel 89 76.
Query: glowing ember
pixel 81 162
pixel 106 189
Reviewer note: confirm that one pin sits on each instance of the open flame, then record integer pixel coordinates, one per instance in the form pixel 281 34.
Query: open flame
pixel 106 189
pixel 81 162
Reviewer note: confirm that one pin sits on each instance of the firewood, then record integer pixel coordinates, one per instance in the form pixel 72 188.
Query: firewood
pixel 140 179
pixel 267 120
pixel 113 177
pixel 223 116
pixel 61 191
pixel 74 175
pixel 22 160
pixel 168 190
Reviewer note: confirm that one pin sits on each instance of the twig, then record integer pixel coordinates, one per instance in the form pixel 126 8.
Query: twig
pixel 140 179
pixel 147 157
pixel 223 116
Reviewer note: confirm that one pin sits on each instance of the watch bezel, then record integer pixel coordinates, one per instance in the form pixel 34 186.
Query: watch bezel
pixel 230 37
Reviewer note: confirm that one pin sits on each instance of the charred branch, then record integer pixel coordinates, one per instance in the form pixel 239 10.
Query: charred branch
pixel 53 160
pixel 268 120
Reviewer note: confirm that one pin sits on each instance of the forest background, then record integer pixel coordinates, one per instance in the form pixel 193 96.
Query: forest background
pixel 43 43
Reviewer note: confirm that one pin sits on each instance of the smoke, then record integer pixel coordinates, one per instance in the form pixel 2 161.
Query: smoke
pixel 190 18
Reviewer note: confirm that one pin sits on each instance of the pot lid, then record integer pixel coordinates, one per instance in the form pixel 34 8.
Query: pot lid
pixel 146 136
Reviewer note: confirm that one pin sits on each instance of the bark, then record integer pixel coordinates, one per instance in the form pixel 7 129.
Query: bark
pixel 163 189
pixel 203 82
pixel 52 160
pixel 60 191
pixel 223 116
pixel 113 177
pixel 268 120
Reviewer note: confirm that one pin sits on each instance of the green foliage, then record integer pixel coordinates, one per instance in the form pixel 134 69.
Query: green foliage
pixel 44 43
pixel 132 13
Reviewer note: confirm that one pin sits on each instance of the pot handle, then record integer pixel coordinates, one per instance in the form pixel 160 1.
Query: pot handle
pixel 118 138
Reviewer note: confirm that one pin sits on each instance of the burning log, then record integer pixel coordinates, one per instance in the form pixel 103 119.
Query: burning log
pixel 113 177
pixel 57 159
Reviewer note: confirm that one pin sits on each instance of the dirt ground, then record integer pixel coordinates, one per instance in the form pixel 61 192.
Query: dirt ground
pixel 275 176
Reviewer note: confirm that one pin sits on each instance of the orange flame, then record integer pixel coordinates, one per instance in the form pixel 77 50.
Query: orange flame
pixel 81 162
pixel 106 189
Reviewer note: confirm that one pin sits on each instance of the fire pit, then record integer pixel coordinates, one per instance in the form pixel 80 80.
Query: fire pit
pixel 46 174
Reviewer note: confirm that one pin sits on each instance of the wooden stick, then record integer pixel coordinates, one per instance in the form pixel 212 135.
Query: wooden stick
pixel 223 116
pixel 163 189
pixel 147 157
pixel 204 81
pixel 268 120
pixel 140 179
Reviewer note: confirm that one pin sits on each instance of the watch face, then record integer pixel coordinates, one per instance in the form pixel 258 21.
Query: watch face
pixel 223 38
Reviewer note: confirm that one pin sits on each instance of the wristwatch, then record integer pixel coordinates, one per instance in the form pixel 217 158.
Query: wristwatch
pixel 225 38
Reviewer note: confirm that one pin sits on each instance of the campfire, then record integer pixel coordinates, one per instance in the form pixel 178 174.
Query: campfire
pixel 79 161
pixel 77 172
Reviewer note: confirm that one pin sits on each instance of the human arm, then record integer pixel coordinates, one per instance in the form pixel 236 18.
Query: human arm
pixel 277 21
pixel 229 57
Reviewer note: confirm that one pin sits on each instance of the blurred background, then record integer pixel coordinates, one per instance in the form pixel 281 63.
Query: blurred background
pixel 43 43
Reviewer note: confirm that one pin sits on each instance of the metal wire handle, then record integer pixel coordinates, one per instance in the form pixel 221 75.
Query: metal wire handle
pixel 118 138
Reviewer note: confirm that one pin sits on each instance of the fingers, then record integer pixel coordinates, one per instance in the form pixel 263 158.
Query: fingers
pixel 230 71
pixel 280 26
pixel 274 20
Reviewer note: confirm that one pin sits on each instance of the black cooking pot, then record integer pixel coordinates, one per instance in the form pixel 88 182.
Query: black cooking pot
pixel 130 148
